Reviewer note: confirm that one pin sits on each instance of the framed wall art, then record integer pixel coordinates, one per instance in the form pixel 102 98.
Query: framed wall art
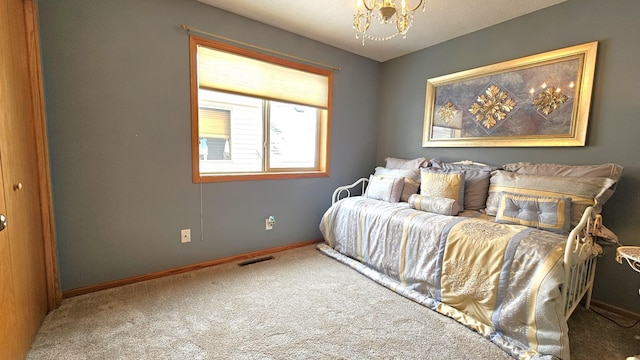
pixel 538 100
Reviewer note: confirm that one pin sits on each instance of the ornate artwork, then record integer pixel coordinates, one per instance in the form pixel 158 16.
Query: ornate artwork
pixel 492 106
pixel 539 100
pixel 447 112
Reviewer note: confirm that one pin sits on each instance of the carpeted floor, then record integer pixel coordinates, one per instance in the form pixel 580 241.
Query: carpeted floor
pixel 592 336
pixel 300 305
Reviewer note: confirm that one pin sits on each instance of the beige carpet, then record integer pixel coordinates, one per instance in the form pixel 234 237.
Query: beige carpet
pixel 300 305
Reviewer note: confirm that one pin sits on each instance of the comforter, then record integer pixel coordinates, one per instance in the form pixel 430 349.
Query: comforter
pixel 501 280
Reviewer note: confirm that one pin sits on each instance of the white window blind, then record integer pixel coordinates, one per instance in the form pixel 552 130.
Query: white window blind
pixel 224 71
pixel 214 123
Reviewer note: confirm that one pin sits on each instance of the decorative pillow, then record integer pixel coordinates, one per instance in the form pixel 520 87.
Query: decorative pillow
pixel 411 187
pixel 434 204
pixel 609 170
pixel 584 192
pixel 542 212
pixel 407 173
pixel 443 183
pixel 384 188
pixel 411 180
pixel 395 163
pixel 476 182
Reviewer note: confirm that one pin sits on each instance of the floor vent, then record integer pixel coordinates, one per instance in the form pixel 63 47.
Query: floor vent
pixel 256 260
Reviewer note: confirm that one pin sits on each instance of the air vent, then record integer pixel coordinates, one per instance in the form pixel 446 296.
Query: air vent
pixel 254 261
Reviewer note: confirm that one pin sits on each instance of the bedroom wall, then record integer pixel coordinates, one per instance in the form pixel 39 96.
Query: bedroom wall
pixel 613 131
pixel 116 80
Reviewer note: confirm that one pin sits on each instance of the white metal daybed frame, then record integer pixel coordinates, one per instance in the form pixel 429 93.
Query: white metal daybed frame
pixel 579 257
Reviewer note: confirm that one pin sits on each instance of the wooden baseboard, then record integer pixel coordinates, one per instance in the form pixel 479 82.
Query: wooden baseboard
pixel 183 269
pixel 616 310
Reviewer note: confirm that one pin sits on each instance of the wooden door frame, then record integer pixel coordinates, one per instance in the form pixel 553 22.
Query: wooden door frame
pixel 54 295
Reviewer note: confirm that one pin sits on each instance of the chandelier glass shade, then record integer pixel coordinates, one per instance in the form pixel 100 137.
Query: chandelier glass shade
pixel 386 12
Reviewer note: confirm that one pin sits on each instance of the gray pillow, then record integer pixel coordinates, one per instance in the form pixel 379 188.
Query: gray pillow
pixel 611 171
pixel 476 182
pixel 608 170
pixel 411 180
pixel 408 173
pixel 396 163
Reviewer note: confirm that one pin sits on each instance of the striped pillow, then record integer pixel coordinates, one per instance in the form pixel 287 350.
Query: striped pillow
pixel 542 212
pixel 584 192
pixel 384 188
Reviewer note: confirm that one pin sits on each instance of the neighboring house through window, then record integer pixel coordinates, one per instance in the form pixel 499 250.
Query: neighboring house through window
pixel 255 116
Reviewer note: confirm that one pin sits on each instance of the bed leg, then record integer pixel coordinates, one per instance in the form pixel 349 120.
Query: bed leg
pixel 587 302
pixel 592 276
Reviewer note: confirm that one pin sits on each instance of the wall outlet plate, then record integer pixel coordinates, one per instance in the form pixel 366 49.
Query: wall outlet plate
pixel 185 235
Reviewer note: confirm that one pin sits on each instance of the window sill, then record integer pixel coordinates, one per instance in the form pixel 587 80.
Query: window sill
pixel 203 178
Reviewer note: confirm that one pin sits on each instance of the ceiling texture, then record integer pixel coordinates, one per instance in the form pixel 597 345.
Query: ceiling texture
pixel 331 21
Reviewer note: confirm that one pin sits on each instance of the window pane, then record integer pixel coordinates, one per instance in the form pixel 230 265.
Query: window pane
pixel 239 151
pixel 214 149
pixel 214 123
pixel 293 135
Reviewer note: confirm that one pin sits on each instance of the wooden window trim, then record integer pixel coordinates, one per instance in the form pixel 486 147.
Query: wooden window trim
pixel 325 126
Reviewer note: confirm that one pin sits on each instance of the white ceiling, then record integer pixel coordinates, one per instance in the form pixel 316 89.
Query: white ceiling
pixel 330 21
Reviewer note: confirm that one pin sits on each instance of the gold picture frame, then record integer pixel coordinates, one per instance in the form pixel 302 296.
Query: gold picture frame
pixel 538 100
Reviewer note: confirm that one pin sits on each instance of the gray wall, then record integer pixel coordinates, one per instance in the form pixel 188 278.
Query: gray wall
pixel 117 97
pixel 116 79
pixel 613 131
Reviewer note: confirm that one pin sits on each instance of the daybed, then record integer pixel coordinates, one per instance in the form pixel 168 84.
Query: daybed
pixel 508 251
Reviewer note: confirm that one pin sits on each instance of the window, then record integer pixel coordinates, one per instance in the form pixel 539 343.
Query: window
pixel 255 116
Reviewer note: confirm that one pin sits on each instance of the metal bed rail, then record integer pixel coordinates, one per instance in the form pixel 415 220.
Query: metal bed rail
pixel 579 264
pixel 342 192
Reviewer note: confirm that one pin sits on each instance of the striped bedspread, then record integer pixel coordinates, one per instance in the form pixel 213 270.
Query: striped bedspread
pixel 501 280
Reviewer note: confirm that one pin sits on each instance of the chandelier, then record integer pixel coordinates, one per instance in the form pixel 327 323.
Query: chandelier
pixel 387 12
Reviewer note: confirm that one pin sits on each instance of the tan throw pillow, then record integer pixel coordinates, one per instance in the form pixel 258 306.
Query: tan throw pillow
pixel 443 183
pixel 411 187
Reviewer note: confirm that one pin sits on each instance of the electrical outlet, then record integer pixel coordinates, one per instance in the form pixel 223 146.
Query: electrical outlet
pixel 185 235
pixel 268 222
